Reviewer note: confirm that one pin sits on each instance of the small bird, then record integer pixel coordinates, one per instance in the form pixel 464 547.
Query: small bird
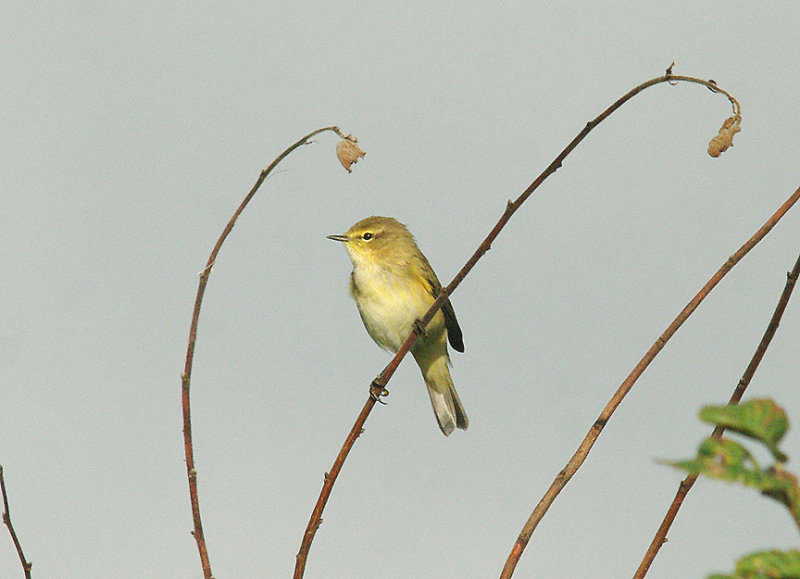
pixel 393 286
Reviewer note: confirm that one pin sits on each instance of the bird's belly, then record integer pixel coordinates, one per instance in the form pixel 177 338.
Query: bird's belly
pixel 389 311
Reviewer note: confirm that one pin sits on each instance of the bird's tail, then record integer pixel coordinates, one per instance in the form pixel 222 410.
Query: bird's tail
pixel 449 412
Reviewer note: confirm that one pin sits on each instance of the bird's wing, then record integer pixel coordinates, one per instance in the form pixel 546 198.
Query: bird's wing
pixel 454 334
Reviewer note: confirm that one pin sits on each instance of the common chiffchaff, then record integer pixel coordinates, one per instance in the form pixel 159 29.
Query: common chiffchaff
pixel 393 286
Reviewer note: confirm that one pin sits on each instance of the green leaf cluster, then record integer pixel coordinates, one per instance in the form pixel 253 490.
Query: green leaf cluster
pixel 729 460
pixel 725 459
pixel 766 565
pixel 761 419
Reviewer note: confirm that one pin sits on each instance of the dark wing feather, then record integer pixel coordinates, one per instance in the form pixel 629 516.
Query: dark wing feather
pixel 453 329
pixel 454 334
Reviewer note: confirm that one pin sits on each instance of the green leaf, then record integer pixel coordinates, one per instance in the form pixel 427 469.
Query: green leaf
pixel 723 459
pixel 785 489
pixel 766 565
pixel 760 419
pixel 729 460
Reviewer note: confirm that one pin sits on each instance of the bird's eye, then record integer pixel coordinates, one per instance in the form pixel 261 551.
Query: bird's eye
pixel 367 236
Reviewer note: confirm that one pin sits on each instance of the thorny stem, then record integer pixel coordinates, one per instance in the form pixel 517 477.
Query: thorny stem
pixel 187 372
pixel 594 432
pixel 686 484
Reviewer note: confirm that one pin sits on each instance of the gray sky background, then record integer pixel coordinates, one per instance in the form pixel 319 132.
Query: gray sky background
pixel 131 133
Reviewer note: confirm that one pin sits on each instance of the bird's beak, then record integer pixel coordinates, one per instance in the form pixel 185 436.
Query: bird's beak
pixel 338 237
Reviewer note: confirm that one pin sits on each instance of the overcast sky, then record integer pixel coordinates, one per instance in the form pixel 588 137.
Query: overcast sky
pixel 131 133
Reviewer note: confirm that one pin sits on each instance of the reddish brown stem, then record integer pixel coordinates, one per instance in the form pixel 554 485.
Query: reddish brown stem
pixel 26 566
pixel 187 372
pixel 330 478
pixel 686 484
pixel 591 437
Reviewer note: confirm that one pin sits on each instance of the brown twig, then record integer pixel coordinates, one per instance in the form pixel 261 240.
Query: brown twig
pixel 187 372
pixel 330 478
pixel 26 566
pixel 383 378
pixel 586 445
pixel 686 484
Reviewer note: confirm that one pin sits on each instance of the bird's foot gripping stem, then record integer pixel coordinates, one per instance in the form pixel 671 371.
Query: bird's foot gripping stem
pixel 377 391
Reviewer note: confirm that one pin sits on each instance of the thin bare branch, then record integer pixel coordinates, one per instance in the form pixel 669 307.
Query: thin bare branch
pixel 686 484
pixel 377 388
pixel 26 566
pixel 187 372
pixel 330 478
pixel 591 437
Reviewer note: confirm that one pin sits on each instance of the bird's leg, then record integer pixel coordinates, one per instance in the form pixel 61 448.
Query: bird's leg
pixel 419 328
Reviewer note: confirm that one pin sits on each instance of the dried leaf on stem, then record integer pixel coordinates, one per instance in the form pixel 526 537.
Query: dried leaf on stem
pixel 348 152
pixel 724 138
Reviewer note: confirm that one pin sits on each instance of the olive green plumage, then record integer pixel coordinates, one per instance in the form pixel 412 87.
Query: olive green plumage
pixel 393 285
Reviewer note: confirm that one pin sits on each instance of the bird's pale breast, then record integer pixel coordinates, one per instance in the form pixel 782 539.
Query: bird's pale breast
pixel 390 303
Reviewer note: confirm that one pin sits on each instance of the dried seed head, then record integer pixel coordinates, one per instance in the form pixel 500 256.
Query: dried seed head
pixel 724 138
pixel 348 152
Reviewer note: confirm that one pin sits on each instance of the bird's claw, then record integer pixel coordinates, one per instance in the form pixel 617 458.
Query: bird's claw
pixel 377 391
